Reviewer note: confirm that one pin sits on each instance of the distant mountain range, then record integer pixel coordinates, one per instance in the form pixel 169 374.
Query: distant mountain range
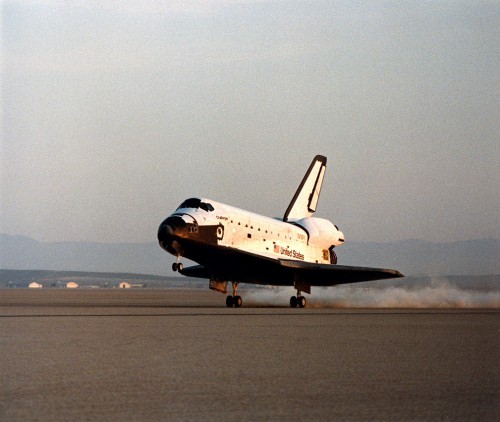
pixel 411 257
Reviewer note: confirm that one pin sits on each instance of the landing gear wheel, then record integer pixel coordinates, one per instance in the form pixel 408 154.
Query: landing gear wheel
pixel 293 301
pixel 234 299
pixel 177 266
pixel 302 301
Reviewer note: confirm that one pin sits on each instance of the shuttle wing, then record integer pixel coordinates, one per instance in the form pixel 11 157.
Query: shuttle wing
pixel 306 198
pixel 331 275
pixel 240 266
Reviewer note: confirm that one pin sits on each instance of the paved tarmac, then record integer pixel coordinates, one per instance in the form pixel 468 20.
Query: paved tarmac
pixel 145 354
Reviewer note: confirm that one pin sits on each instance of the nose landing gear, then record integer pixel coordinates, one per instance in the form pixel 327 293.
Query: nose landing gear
pixel 177 266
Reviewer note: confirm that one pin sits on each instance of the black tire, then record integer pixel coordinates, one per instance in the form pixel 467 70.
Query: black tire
pixel 293 301
pixel 302 301
pixel 180 267
pixel 174 266
pixel 238 301
pixel 229 301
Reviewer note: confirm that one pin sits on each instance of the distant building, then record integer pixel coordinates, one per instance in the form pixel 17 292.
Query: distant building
pixel 124 285
pixel 72 285
pixel 35 285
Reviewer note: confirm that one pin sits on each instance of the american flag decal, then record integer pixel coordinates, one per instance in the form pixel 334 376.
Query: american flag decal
pixel 276 248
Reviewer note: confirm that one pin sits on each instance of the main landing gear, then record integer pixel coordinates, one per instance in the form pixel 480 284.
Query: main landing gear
pixel 298 300
pixel 234 300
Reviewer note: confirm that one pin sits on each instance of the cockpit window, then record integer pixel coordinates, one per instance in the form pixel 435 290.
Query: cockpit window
pixel 196 203
pixel 190 203
pixel 206 206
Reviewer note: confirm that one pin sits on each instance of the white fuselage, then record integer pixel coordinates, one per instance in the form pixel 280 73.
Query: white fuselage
pixel 304 240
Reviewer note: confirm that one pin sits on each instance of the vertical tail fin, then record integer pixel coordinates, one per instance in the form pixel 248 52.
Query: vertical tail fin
pixel 306 198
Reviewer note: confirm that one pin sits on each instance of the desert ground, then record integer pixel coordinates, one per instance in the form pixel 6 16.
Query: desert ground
pixel 146 354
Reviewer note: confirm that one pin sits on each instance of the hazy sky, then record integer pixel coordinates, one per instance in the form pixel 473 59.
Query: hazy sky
pixel 114 112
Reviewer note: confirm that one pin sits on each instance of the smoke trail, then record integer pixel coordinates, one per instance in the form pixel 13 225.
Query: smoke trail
pixel 439 293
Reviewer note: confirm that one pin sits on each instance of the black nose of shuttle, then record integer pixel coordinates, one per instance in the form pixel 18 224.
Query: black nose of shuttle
pixel 173 227
pixel 165 233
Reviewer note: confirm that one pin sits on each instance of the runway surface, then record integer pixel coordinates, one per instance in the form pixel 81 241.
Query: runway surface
pixel 145 354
